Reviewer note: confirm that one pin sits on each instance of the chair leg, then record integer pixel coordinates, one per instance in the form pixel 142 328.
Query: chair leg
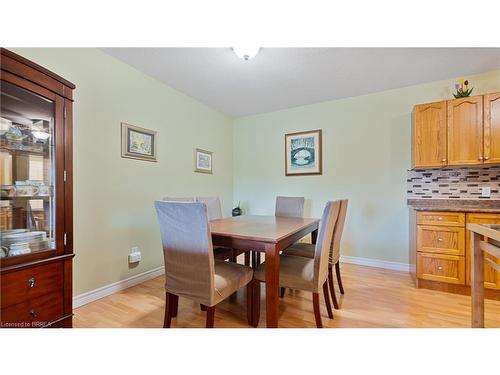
pixel 249 303
pixel 317 313
pixel 203 307
pixel 210 316
pixel 332 288
pixel 327 300
pixel 247 258
pixel 255 303
pixel 339 280
pixel 175 306
pixel 282 292
pixel 168 310
pixel 256 260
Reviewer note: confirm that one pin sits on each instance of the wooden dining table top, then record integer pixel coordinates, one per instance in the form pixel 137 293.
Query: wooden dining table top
pixel 259 227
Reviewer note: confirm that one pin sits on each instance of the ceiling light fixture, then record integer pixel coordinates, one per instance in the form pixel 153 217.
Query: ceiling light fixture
pixel 246 53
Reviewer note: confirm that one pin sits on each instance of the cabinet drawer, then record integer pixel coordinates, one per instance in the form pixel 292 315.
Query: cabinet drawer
pixel 34 313
pixel 439 267
pixel 29 283
pixel 441 218
pixel 441 239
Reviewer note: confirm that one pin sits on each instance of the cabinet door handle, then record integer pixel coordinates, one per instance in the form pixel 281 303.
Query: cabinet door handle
pixel 440 239
pixel 31 282
pixel 440 218
pixel 486 157
pixel 443 160
pixel 33 313
pixel 480 158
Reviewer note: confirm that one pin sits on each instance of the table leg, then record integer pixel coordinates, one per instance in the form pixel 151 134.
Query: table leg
pixel 272 285
pixel 314 236
pixel 477 282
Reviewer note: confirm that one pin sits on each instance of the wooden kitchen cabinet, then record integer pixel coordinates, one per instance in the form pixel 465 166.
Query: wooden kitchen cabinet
pixel 429 135
pixel 492 128
pixel 465 131
pixel 458 132
pixel 491 277
pixel 439 267
pixel 441 239
pixel 440 251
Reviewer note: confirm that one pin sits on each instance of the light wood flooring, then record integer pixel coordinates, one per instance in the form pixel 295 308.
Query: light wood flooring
pixel 374 298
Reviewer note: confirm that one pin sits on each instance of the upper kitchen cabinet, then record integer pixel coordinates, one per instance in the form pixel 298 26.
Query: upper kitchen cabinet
pixel 429 135
pixel 492 128
pixel 465 131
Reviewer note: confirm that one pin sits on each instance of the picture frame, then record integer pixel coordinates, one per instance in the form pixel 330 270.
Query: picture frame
pixel 203 161
pixel 139 143
pixel 304 153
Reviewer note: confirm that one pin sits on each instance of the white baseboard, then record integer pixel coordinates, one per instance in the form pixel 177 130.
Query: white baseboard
pixel 376 263
pixel 106 290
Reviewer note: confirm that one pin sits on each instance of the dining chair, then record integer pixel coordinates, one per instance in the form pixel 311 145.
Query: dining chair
pixel 307 250
pixel 179 199
pixel 214 209
pixel 285 207
pixel 190 268
pixel 289 206
pixel 301 273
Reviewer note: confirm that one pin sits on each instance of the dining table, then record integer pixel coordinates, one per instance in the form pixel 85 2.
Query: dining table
pixel 485 241
pixel 265 234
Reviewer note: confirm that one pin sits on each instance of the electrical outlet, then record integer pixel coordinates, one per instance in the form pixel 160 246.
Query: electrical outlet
pixel 486 191
pixel 135 255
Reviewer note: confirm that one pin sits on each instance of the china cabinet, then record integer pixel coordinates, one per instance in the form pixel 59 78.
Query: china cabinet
pixel 36 195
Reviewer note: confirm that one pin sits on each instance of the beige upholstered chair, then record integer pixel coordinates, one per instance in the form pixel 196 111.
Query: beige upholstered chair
pixel 285 207
pixel 307 250
pixel 214 210
pixel 309 274
pixel 179 199
pixel 190 269
pixel 289 206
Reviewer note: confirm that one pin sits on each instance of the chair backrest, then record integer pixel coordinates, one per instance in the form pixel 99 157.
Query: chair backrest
pixel 187 250
pixel 337 233
pixel 177 199
pixel 214 208
pixel 289 206
pixel 323 242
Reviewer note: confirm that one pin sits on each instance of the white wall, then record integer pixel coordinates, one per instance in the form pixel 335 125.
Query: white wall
pixel 113 197
pixel 366 152
pixel 366 143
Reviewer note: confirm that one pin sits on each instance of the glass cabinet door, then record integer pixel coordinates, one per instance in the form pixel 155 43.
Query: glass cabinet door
pixel 27 172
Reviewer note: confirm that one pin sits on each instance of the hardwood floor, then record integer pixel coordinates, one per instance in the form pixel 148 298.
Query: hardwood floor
pixel 374 298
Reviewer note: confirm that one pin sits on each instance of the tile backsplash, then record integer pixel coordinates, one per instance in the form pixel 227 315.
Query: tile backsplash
pixel 453 183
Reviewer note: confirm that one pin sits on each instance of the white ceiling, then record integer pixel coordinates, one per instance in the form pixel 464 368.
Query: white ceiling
pixel 279 78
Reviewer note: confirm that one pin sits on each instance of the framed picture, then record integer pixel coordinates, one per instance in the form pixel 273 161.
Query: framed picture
pixel 303 153
pixel 138 143
pixel 203 161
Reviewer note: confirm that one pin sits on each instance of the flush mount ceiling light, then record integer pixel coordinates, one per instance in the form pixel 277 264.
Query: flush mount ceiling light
pixel 246 53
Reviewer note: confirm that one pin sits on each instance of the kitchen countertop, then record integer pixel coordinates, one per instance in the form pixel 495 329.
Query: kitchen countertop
pixel 455 205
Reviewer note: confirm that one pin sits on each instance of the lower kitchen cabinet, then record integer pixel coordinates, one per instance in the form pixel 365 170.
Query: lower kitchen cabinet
pixel 440 247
